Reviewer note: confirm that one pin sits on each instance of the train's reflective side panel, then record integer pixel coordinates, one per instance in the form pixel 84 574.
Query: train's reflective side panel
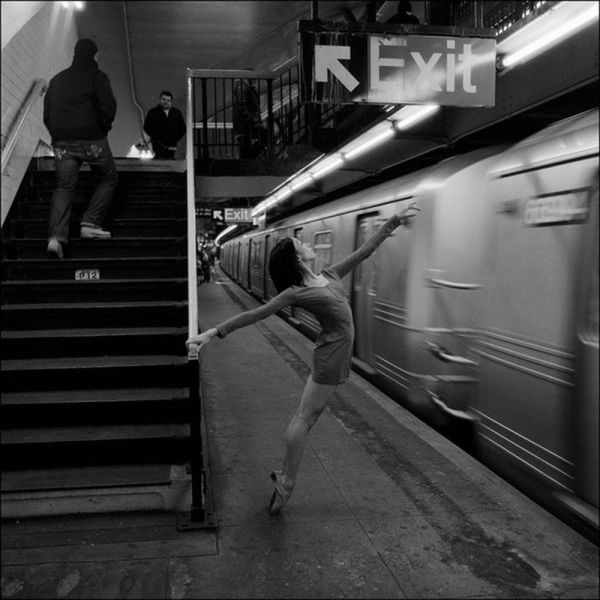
pixel 587 418
pixel 540 219
pixel 442 288
pixel 243 278
pixel 257 265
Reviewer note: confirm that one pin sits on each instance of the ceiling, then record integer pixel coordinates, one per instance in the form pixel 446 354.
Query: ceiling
pixel 168 37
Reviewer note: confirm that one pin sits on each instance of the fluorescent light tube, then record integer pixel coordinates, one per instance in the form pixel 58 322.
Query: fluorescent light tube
pixel 416 116
pixel 327 166
pixel 374 141
pixel 301 182
pixel 553 36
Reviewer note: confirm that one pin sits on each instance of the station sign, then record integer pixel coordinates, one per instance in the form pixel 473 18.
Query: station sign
pixel 347 67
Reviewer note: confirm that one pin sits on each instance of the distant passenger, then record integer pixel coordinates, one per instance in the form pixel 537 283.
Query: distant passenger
pixel 322 294
pixel 247 124
pixel 79 109
pixel 404 14
pixel 165 126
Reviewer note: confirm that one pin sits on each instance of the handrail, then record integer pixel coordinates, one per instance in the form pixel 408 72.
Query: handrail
pixel 191 221
pixel 38 88
pixel 243 73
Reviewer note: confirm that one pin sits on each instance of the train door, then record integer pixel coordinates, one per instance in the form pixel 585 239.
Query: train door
pixel 586 384
pixel 265 291
pixel 249 263
pixel 236 272
pixel 364 290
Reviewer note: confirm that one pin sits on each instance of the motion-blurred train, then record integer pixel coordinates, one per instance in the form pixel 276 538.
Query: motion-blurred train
pixel 484 309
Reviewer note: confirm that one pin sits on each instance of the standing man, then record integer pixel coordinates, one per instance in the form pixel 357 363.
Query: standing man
pixel 165 126
pixel 79 109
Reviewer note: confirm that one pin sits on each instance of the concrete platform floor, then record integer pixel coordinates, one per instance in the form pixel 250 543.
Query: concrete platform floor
pixel 384 507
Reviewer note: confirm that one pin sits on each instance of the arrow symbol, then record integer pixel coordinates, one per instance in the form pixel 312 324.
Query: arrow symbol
pixel 327 59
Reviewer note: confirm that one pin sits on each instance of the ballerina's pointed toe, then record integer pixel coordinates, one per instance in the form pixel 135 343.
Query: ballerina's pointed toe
pixel 280 494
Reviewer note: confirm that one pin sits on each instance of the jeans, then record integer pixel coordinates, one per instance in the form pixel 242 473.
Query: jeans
pixel 162 150
pixel 69 155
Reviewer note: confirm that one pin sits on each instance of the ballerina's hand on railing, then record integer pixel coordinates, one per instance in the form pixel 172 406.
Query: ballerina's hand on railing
pixel 202 339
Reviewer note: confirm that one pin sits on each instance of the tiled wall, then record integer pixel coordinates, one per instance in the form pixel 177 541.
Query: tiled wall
pixel 42 48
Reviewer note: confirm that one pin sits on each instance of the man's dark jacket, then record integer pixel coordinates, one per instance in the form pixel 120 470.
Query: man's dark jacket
pixel 79 103
pixel 166 130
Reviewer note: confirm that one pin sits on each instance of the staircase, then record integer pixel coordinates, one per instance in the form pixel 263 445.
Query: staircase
pixel 94 364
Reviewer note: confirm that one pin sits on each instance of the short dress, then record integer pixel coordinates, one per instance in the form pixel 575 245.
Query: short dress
pixel 329 305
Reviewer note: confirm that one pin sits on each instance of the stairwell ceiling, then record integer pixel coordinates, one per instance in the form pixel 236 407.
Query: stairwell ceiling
pixel 168 37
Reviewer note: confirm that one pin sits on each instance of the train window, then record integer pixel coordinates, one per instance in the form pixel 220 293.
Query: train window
pixel 256 254
pixel 322 249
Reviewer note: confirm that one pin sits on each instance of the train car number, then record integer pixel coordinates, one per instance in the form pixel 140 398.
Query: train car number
pixel 568 207
pixel 87 274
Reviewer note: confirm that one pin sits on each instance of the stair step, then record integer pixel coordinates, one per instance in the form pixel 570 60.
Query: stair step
pixel 138 227
pixel 132 173
pixel 35 248
pixel 93 372
pixel 92 433
pixel 87 397
pixel 94 445
pixel 30 344
pixel 105 290
pixel 89 406
pixel 124 194
pixel 154 206
pixel 91 477
pixel 101 314
pixel 108 268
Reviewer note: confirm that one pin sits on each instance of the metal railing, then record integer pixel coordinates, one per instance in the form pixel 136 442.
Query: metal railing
pixel 493 15
pixel 215 129
pixel 38 89
pixel 221 119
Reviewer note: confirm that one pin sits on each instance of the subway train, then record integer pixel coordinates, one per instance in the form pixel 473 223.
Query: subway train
pixel 481 314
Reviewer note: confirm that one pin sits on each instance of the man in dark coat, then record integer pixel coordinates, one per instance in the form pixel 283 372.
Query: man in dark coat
pixel 165 126
pixel 404 14
pixel 79 109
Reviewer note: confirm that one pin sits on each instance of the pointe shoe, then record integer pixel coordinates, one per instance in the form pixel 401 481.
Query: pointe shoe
pixel 280 494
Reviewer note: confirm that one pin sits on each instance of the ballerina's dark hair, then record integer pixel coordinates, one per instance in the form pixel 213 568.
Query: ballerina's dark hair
pixel 284 265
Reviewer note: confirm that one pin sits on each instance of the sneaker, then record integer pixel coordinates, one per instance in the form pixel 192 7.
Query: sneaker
pixel 54 249
pixel 94 232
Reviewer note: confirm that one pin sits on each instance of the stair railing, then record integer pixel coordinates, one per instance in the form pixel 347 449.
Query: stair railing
pixel 197 512
pixel 210 112
pixel 284 119
pixel 38 89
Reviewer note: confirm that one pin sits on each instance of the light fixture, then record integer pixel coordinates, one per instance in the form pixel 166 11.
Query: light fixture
pixel 555 25
pixel 369 143
pixel 75 5
pixel 326 166
pixel 414 115
pixel 402 118
pixel 301 182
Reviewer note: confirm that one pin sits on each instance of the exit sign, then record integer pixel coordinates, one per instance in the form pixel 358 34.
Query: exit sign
pixel 238 215
pixel 398 68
